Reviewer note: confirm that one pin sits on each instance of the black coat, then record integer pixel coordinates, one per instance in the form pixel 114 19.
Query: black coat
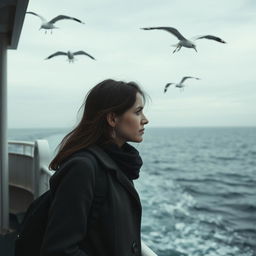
pixel 116 231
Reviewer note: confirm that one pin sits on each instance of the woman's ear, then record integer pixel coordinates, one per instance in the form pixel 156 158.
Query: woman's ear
pixel 112 119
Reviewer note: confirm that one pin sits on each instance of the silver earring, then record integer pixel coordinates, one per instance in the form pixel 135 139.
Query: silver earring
pixel 113 133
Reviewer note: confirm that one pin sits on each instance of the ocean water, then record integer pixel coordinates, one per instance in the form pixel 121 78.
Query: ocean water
pixel 197 188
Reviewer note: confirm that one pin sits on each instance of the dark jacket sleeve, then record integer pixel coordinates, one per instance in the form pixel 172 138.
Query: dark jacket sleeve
pixel 67 223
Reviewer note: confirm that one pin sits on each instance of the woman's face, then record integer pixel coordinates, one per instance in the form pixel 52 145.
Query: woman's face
pixel 130 126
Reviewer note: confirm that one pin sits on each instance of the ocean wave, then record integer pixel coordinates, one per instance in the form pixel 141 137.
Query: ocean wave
pixel 250 208
pixel 206 180
pixel 252 152
pixel 226 158
pixel 197 191
pixel 247 231
pixel 213 210
pixel 231 195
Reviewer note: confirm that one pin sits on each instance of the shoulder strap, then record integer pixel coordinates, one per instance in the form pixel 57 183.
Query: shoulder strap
pixel 100 174
pixel 101 185
pixel 101 188
pixel 101 178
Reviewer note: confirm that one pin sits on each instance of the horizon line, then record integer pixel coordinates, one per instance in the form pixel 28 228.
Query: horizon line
pixel 192 126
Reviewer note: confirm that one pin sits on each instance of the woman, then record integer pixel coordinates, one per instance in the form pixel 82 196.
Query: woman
pixel 96 152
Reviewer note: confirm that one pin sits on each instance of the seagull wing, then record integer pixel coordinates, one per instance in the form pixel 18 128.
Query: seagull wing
pixel 171 30
pixel 41 17
pixel 187 77
pixel 56 54
pixel 166 86
pixel 84 53
pixel 64 17
pixel 215 38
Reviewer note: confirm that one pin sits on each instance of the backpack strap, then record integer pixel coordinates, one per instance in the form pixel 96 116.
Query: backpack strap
pixel 101 185
pixel 101 189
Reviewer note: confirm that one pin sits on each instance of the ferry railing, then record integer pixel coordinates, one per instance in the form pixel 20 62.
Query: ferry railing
pixel 26 161
pixel 21 165
pixel 41 161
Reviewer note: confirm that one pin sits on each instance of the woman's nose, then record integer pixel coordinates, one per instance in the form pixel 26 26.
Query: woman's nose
pixel 145 120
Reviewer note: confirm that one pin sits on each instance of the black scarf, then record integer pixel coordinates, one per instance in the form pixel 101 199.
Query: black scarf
pixel 127 158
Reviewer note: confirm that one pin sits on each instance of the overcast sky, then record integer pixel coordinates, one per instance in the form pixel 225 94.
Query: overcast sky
pixel 48 93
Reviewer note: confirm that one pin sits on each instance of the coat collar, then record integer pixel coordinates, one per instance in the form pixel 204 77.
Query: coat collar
pixel 103 157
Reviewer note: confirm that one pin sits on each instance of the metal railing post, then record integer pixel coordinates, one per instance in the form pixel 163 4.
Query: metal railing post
pixel 4 174
pixel 41 158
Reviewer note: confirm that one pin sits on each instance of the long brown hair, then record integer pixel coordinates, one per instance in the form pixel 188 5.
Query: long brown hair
pixel 106 97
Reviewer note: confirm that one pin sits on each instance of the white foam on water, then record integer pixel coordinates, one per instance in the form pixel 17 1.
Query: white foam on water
pixel 178 228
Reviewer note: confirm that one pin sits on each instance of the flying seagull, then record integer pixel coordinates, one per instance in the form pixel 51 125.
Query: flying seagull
pixel 180 84
pixel 50 24
pixel 182 40
pixel 70 55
